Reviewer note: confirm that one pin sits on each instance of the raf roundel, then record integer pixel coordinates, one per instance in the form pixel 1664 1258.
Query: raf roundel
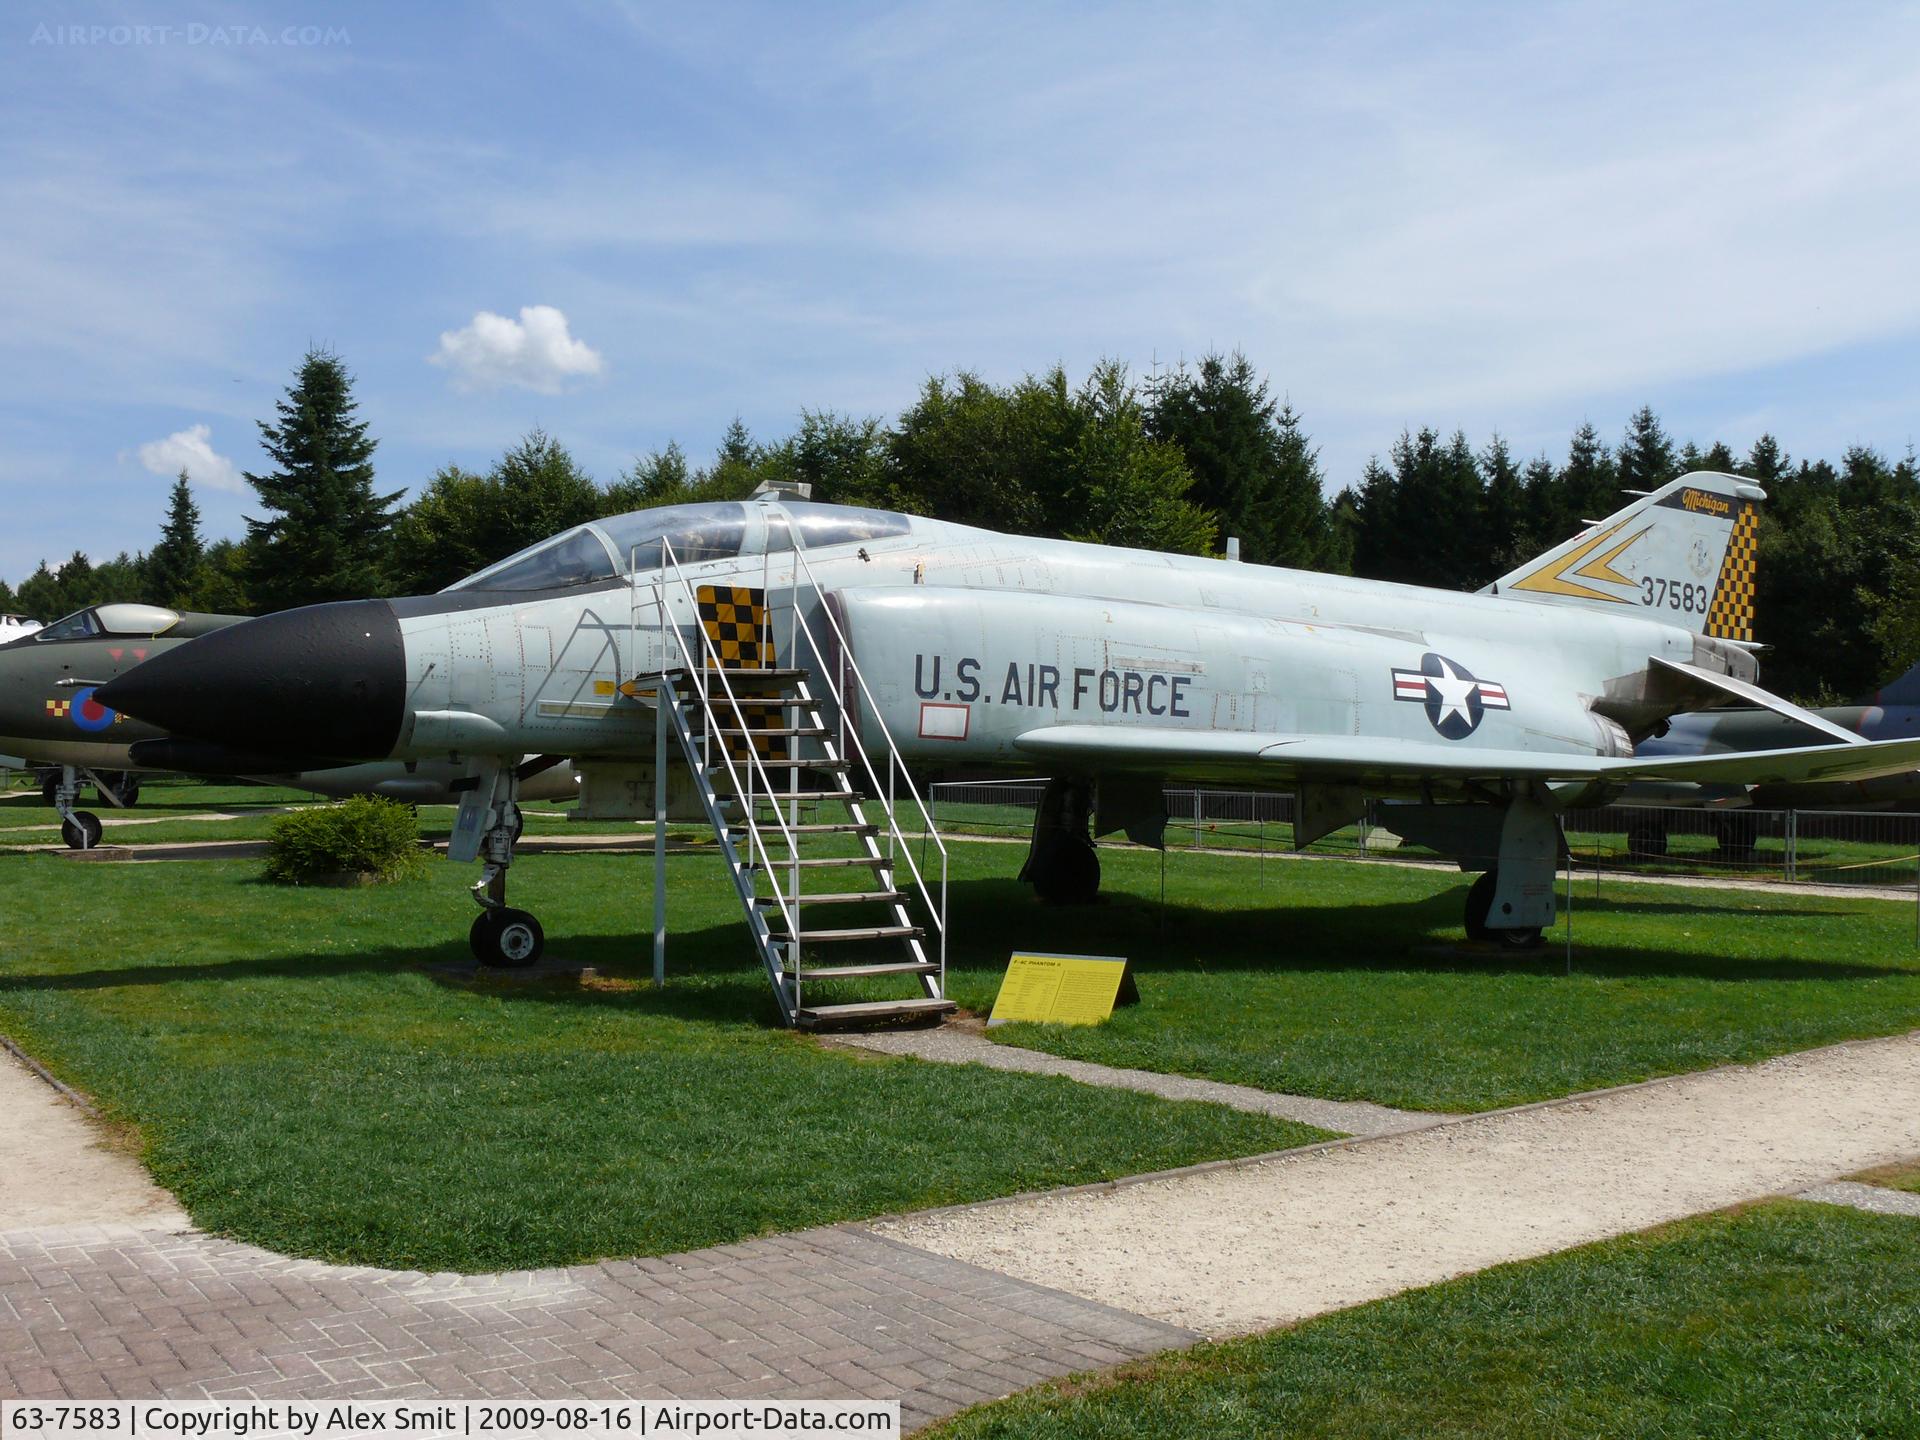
pixel 88 713
pixel 1455 700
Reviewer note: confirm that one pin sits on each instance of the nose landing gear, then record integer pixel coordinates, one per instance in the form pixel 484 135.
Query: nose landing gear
pixel 501 935
pixel 81 829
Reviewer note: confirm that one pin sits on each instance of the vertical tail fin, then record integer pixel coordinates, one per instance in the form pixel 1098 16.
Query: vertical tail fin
pixel 1903 691
pixel 1684 554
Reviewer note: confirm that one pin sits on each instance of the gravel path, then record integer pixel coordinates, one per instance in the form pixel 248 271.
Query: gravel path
pixel 59 1168
pixel 1225 1250
pixel 954 1044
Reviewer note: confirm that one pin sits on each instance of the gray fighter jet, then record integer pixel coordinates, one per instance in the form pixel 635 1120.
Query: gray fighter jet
pixel 811 655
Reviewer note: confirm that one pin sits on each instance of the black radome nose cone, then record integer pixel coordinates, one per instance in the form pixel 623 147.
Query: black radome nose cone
pixel 327 680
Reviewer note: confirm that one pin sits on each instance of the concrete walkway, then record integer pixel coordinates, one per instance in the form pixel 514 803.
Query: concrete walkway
pixel 1879 1199
pixel 954 1044
pixel 103 1292
pixel 1229 1249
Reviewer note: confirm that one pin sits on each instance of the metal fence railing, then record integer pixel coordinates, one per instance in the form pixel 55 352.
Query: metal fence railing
pixel 1833 847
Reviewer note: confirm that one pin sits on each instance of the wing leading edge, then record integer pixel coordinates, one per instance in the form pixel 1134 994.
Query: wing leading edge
pixel 1363 758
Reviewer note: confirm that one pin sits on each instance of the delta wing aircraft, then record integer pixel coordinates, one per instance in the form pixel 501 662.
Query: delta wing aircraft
pixel 49 714
pixel 806 656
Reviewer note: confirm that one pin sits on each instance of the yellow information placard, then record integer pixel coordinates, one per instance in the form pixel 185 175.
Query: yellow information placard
pixel 1059 989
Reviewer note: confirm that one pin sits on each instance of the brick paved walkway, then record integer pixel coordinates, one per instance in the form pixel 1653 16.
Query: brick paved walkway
pixel 834 1313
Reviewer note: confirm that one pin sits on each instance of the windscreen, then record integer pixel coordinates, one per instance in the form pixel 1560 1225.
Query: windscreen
pixel 575 558
pixel 694 532
pixel 77 626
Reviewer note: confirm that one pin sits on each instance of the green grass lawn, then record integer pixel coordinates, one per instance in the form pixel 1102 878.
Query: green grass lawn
pixel 1353 980
pixel 1786 1320
pixel 276 1046
pixel 302 1079
pixel 1897 1177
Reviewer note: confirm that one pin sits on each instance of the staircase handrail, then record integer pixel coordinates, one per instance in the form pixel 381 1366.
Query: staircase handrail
pixel 896 763
pixel 789 910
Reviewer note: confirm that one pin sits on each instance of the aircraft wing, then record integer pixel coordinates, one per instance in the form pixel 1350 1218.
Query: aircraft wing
pixel 1363 759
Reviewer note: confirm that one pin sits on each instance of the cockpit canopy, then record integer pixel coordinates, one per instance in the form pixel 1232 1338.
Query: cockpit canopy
pixel 143 621
pixel 722 530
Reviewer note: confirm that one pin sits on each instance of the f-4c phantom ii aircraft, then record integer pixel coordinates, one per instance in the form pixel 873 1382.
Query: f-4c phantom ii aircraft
pixel 788 639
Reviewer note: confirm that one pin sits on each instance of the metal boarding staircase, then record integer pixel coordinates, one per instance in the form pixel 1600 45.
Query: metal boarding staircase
pixel 790 796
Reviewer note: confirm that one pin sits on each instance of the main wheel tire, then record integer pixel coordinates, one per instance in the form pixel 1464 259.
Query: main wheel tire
pixel 1070 873
pixel 125 790
pixel 83 831
pixel 516 823
pixel 1480 904
pixel 50 789
pixel 1737 836
pixel 1528 939
pixel 1646 840
pixel 508 939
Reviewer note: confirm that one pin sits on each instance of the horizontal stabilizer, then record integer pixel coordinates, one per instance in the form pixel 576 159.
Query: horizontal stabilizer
pixel 1766 700
pixel 1268 758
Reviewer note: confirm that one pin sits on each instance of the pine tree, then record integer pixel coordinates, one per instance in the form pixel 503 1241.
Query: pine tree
pixel 1646 460
pixel 1767 462
pixel 325 537
pixel 1509 537
pixel 1586 488
pixel 1252 462
pixel 173 566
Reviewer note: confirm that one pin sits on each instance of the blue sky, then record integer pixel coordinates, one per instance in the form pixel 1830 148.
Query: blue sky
pixel 629 223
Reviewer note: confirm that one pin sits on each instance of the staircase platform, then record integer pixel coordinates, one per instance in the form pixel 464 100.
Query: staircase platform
pixel 870 1013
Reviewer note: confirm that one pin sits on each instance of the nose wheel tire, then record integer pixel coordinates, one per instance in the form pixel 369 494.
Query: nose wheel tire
pixel 82 832
pixel 516 823
pixel 506 938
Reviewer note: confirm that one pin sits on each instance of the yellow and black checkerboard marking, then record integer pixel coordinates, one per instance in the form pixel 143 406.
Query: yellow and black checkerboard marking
pixel 735 619
pixel 58 708
pixel 1730 616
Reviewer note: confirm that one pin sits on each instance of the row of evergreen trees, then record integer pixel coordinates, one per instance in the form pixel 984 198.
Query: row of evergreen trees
pixel 1178 462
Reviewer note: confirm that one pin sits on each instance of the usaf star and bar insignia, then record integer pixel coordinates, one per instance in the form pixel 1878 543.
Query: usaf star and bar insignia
pixel 1456 701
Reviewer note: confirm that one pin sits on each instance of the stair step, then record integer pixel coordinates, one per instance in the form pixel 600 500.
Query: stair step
pixel 864 932
pixel 804 764
pixel 770 731
pixel 814 862
pixel 844 897
pixel 861 972
pixel 738 679
pixel 770 797
pixel 869 1012
pixel 773 832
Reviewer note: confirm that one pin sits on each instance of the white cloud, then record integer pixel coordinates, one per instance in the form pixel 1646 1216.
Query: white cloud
pixel 192 450
pixel 535 352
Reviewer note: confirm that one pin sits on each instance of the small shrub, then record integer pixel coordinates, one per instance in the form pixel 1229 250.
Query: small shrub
pixel 366 835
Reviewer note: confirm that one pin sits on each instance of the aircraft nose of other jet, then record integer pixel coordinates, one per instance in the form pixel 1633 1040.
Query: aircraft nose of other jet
pixel 326 680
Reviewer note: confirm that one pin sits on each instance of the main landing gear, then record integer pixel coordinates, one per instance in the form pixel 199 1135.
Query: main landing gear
pixel 1480 907
pixel 1062 863
pixel 1514 840
pixel 501 935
